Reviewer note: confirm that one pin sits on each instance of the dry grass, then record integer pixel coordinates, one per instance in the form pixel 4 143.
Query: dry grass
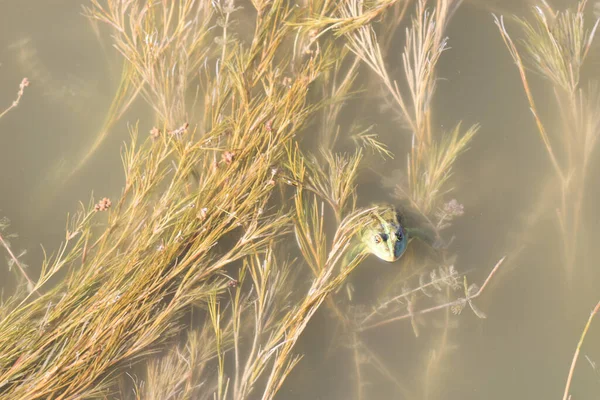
pixel 213 194
pixel 181 220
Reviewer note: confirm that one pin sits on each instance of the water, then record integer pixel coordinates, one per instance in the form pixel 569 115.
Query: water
pixel 72 84
pixel 535 312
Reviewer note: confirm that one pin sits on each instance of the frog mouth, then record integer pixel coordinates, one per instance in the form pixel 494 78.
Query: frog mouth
pixel 390 258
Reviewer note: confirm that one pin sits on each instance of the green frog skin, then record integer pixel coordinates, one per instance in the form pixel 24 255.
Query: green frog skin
pixel 384 236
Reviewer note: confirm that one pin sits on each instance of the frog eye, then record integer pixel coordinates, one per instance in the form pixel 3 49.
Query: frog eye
pixel 377 239
pixel 399 236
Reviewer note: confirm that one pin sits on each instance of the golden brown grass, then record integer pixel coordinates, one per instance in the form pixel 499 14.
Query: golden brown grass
pixel 194 247
pixel 181 220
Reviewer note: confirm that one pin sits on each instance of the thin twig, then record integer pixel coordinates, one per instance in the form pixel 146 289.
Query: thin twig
pixel 24 83
pixel 519 63
pixel 576 355
pixel 30 283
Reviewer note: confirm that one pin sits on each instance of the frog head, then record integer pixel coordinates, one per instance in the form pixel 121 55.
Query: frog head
pixel 384 236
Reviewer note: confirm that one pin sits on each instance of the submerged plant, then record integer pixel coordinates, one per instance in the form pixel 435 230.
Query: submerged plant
pixel 430 163
pixel 24 83
pixel 14 261
pixel 223 177
pixel 430 159
pixel 555 46
pixel 162 47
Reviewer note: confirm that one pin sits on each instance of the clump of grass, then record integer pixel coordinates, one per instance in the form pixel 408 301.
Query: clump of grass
pixel 555 46
pixel 182 218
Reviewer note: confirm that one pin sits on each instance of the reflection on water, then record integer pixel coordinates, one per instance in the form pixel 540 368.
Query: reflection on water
pixel 536 307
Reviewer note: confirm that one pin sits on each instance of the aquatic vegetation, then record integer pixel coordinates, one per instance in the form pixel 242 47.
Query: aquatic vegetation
pixel 595 311
pixel 430 161
pixel 196 247
pixel 555 46
pixel 174 209
pixel 14 259
pixel 24 83
pixel 156 65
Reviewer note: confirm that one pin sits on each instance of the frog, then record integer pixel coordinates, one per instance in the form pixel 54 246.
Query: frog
pixel 386 234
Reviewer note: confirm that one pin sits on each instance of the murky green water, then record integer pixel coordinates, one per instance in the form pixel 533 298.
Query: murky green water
pixel 535 309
